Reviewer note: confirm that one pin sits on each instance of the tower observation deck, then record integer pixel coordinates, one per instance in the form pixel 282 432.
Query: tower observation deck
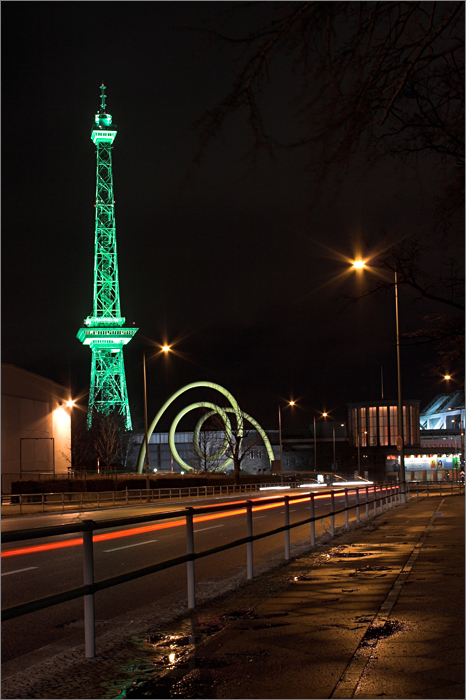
pixel 103 331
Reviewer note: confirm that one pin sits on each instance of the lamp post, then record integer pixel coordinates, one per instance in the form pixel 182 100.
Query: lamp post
pixel 145 422
pixel 399 440
pixel 324 415
pixel 290 403
pixel 359 265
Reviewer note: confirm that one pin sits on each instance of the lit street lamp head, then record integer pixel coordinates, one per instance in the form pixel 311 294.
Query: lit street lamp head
pixel 165 348
pixel 359 264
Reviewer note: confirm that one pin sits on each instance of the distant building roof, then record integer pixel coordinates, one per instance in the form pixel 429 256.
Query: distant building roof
pixel 444 402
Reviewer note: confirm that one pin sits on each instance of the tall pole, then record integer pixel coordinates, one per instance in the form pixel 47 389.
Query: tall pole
pixel 145 421
pixel 334 456
pixel 315 446
pixel 280 438
pixel 359 453
pixel 400 440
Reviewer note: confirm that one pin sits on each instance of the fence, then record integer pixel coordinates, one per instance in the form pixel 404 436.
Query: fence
pixel 71 500
pixel 375 495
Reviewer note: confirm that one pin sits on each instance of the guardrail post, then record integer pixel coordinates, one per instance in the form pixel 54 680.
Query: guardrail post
pixel 386 497
pixel 190 562
pixel 287 525
pixel 440 487
pixel 367 501
pixel 332 514
pixel 375 500
pixel 313 524
pixel 452 488
pixel 88 573
pixel 249 544
pixel 62 502
pixel 358 518
pixel 43 501
pixel 346 510
pixel 98 499
pixel 381 499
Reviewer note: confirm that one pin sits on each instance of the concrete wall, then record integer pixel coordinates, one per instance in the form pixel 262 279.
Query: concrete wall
pixel 36 426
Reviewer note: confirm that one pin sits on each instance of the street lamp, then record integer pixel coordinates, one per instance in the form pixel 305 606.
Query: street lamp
pixel 145 422
pixel 324 415
pixel 165 349
pixel 290 403
pixel 359 265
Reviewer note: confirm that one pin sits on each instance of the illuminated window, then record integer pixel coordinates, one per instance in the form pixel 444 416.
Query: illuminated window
pixel 353 425
pixel 372 426
pixel 393 425
pixel 383 425
pixel 363 428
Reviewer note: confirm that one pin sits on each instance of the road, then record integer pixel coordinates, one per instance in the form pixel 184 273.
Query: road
pixel 33 575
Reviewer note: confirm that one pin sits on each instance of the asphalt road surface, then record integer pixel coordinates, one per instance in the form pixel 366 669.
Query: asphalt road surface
pixel 31 575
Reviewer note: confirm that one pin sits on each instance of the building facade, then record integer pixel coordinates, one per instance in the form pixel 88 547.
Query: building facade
pixel 36 426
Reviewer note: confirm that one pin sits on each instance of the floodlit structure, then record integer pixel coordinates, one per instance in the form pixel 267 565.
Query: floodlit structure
pixel 36 426
pixel 103 331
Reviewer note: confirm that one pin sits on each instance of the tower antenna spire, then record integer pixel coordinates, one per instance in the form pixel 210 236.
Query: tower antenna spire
pixel 102 98
pixel 103 330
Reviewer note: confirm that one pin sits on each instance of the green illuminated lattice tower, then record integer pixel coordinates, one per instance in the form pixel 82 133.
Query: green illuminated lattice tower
pixel 103 331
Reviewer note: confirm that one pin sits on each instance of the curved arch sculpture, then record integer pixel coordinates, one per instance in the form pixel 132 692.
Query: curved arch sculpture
pixel 222 412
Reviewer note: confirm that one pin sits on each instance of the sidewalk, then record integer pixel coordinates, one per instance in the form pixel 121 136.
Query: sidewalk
pixel 376 612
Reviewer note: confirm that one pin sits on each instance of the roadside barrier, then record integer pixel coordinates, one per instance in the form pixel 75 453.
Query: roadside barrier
pixel 73 500
pixel 375 494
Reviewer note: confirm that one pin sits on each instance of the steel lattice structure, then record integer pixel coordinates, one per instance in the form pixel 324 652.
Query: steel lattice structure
pixel 103 331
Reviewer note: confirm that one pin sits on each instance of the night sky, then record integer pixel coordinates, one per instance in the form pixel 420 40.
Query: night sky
pixel 225 261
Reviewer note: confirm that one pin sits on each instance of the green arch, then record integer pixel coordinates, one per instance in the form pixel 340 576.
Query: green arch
pixel 240 415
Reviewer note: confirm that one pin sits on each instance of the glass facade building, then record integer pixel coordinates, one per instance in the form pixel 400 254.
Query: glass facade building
pixel 375 423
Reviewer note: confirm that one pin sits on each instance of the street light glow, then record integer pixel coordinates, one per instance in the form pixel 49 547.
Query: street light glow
pixel 166 348
pixel 447 376
pixel 292 403
pixel 359 264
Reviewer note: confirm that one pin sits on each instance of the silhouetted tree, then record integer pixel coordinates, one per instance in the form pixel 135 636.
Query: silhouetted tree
pixel 372 80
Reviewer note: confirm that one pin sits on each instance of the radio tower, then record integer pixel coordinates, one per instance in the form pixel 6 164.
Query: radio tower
pixel 104 331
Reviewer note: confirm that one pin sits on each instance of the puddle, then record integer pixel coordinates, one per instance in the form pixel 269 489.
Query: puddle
pixel 236 614
pixel 160 652
pixel 377 633
pixel 171 641
pixel 369 569
pixel 303 578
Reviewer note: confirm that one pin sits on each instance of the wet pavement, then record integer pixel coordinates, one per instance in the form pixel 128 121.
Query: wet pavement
pixel 376 612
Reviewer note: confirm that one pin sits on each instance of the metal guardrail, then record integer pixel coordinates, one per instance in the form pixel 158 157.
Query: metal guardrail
pixel 72 500
pixel 380 493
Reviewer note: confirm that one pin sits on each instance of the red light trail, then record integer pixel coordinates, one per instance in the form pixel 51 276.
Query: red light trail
pixel 158 526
